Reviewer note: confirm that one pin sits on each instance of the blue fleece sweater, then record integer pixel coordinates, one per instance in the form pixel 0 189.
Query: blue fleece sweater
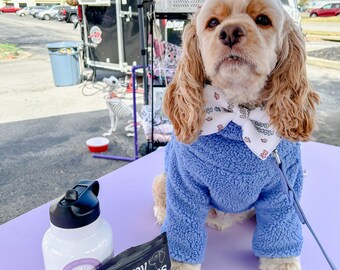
pixel 219 171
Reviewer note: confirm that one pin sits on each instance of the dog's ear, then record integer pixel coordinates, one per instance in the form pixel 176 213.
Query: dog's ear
pixel 291 102
pixel 183 101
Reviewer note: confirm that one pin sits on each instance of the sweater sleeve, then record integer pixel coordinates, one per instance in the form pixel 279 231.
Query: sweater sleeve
pixel 187 205
pixel 278 232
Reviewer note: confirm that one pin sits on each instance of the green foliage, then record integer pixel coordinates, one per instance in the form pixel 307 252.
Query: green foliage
pixel 304 2
pixel 8 51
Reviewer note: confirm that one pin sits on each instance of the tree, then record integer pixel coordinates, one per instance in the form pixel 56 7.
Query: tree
pixel 303 2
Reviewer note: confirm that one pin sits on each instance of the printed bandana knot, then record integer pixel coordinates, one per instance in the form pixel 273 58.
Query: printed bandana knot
pixel 257 133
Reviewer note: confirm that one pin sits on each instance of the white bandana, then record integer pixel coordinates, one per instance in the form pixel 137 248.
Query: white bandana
pixel 257 133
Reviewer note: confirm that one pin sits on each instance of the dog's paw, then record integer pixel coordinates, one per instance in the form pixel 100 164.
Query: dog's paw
pixel 159 194
pixel 291 263
pixel 175 265
pixel 221 221
pixel 159 213
pixel 109 133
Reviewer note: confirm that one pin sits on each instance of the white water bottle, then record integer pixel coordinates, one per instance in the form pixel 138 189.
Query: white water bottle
pixel 78 238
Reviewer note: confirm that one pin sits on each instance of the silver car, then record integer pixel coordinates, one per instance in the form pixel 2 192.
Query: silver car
pixel 48 14
pixel 23 12
pixel 37 9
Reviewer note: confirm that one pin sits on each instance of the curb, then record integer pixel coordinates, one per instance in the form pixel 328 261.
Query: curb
pixel 323 63
pixel 328 38
pixel 22 55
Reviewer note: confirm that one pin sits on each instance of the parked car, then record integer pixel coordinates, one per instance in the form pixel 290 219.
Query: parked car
pixel 37 9
pixel 68 14
pixel 23 12
pixel 9 9
pixel 332 9
pixel 318 4
pixel 48 14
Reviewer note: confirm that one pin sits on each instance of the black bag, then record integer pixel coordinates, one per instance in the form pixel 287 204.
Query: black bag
pixel 153 255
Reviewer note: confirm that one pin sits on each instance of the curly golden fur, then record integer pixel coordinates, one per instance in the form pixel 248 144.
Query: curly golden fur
pixel 270 70
pixel 183 102
pixel 254 52
pixel 290 100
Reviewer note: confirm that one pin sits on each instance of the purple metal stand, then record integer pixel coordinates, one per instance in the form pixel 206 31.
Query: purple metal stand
pixel 134 68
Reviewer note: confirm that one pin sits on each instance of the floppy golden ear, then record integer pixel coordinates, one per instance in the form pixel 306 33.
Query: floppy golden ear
pixel 183 101
pixel 291 102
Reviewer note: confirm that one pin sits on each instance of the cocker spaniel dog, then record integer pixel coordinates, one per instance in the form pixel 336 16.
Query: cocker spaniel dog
pixel 240 94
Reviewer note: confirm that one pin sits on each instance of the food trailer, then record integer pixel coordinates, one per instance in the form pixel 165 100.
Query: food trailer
pixel 110 34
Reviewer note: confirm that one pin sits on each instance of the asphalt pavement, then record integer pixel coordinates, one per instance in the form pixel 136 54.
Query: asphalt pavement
pixel 43 128
pixel 42 157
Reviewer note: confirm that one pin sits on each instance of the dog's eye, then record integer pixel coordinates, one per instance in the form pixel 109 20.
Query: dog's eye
pixel 263 20
pixel 213 23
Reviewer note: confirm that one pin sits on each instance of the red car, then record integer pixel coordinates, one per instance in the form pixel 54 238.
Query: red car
pixel 332 9
pixel 8 9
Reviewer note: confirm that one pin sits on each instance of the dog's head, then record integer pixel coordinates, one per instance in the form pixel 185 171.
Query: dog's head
pixel 254 52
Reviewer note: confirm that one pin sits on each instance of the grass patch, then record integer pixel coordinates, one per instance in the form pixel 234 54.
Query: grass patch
pixel 320 19
pixel 8 51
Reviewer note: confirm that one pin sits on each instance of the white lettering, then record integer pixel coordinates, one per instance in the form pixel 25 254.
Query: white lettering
pixel 142 267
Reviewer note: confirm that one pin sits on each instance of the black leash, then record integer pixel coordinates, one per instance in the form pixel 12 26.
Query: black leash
pixel 294 201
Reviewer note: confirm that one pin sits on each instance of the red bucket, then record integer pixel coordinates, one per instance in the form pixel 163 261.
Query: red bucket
pixel 97 144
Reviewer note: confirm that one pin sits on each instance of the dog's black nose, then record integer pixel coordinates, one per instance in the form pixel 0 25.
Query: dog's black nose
pixel 231 35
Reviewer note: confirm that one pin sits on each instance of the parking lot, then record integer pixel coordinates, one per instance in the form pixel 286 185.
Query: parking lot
pixel 32 34
pixel 43 128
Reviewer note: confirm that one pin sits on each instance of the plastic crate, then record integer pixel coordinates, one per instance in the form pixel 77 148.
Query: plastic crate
pixel 177 6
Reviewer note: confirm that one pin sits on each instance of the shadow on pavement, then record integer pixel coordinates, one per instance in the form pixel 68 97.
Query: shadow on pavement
pixel 42 158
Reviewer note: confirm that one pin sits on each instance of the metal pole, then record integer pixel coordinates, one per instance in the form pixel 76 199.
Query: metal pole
pixel 86 35
pixel 120 36
pixel 143 48
pixel 135 122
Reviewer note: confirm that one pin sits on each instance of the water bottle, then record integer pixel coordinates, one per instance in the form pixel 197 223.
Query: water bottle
pixel 78 237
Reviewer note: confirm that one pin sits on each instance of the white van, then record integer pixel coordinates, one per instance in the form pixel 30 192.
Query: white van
pixel 291 8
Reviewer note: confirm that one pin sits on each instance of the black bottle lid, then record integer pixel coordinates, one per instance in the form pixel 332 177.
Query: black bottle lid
pixel 78 207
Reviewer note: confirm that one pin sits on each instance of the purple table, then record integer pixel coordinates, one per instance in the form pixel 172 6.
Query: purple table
pixel 126 203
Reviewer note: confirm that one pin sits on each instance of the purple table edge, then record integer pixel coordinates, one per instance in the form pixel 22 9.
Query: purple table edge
pixel 126 203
